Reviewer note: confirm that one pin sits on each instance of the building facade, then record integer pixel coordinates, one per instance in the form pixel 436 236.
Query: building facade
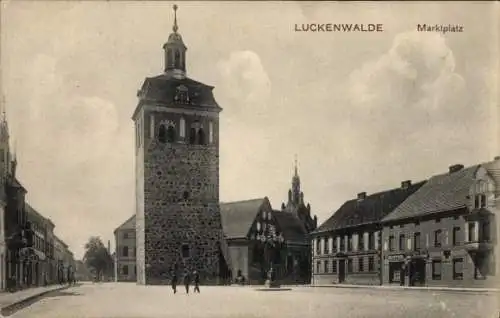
pixel 177 173
pixel 445 234
pixel 125 254
pixel 35 258
pixel 347 245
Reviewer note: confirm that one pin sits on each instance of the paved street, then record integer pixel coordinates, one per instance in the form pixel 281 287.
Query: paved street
pixel 131 301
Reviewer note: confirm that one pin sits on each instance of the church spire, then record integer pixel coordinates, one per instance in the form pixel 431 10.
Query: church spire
pixel 175 52
pixel 296 173
pixel 296 184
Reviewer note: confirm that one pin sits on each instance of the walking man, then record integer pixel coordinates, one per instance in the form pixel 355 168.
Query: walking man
pixel 196 282
pixel 174 281
pixel 187 281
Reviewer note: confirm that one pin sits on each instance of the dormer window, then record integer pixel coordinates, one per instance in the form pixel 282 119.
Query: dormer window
pixel 479 195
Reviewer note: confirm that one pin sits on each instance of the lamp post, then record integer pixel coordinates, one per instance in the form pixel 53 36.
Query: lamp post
pixel 270 240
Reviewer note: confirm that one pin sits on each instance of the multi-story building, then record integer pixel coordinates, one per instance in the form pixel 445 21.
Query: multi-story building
pixel 177 173
pixel 35 258
pixel 445 233
pixel 346 246
pixel 125 243
pixel 59 256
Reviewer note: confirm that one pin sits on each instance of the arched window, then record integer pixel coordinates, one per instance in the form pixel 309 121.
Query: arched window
pixel 171 134
pixel 169 57
pixel 201 136
pixel 177 59
pixel 162 134
pixel 192 136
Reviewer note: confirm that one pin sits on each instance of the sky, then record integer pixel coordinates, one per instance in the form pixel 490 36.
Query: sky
pixel 362 111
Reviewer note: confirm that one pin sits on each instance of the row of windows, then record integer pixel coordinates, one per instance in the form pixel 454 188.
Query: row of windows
pixel 167 133
pixel 345 245
pixel 457 237
pixel 365 264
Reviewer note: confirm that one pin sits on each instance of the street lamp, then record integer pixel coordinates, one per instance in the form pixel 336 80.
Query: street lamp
pixel 270 240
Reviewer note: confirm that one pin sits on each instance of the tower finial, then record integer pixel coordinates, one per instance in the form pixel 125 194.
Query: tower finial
pixel 296 173
pixel 175 28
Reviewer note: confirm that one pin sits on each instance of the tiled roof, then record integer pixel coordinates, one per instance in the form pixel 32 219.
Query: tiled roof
pixel 444 192
pixel 237 217
pixel 127 225
pixel 292 228
pixel 371 209
pixel 493 168
pixel 163 88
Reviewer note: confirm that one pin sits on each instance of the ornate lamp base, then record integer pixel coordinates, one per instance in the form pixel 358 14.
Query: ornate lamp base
pixel 272 284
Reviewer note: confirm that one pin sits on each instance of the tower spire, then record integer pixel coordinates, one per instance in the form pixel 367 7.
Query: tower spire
pixel 175 51
pixel 175 27
pixel 295 167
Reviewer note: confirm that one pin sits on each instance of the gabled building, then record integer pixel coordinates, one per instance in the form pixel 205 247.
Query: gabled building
pixel 445 233
pixel 346 246
pixel 125 255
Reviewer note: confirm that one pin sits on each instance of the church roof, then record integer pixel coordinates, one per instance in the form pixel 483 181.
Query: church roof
pixel 290 226
pixel 162 90
pixel 444 192
pixel 237 217
pixel 371 209
pixel 127 225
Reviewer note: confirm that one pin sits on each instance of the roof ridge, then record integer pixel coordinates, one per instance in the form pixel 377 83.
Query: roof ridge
pixel 241 201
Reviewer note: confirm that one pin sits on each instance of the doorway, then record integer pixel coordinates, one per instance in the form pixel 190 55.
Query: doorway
pixel 341 271
pixel 417 272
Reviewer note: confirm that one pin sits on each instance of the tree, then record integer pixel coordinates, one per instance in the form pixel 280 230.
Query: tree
pixel 97 256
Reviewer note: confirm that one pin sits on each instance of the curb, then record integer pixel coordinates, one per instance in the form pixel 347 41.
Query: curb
pixel 12 308
pixel 394 288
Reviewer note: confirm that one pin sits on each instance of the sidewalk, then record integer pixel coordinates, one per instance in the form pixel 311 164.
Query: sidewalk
pixel 8 300
pixel 392 287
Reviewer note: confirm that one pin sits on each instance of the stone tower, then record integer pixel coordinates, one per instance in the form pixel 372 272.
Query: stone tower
pixel 178 221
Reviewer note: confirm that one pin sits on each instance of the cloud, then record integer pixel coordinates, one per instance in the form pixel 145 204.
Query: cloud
pixel 245 82
pixel 411 100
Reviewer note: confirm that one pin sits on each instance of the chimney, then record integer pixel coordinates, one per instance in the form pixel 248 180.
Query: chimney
pixel 405 184
pixel 456 168
pixel 361 195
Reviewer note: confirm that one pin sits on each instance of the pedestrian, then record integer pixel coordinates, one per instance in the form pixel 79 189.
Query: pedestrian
pixel 187 281
pixel 174 281
pixel 196 282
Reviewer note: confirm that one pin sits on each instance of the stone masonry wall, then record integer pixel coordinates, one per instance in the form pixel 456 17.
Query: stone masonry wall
pixel 139 221
pixel 181 197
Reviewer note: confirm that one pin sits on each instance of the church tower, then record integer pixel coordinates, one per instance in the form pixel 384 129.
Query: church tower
pixel 296 204
pixel 178 223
